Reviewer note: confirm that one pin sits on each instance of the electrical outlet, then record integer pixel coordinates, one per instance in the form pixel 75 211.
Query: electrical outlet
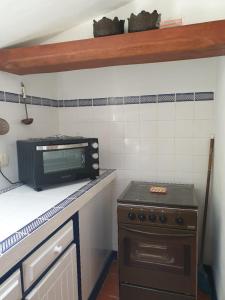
pixel 4 160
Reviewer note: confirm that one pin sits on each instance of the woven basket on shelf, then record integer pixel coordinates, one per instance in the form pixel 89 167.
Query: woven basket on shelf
pixel 144 21
pixel 105 27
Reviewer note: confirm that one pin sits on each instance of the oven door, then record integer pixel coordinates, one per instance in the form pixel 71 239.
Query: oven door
pixel 158 258
pixel 62 163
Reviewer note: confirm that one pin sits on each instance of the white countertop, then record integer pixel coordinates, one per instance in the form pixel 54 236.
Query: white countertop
pixel 22 205
pixel 22 223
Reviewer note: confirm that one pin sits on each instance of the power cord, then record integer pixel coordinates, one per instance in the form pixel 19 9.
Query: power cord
pixel 6 178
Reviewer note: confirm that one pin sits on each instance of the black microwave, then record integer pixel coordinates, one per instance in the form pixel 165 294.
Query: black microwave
pixel 56 160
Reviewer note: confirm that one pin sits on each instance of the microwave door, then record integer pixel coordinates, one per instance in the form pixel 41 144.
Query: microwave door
pixel 63 158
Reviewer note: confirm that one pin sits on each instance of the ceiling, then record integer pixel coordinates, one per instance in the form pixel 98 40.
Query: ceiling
pixel 26 20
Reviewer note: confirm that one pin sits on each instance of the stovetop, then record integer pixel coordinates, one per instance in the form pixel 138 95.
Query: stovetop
pixel 178 195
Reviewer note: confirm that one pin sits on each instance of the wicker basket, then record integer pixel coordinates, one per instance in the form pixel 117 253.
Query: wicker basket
pixel 106 27
pixel 4 127
pixel 144 21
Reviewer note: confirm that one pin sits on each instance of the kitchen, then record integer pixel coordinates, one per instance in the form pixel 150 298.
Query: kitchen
pixel 153 122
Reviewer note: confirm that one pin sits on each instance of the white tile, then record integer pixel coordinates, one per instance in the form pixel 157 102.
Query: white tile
pixel 166 111
pixel 200 163
pixel 183 128
pixel 131 161
pixel 148 163
pixel 149 112
pixel 134 175
pixel 166 146
pixel 131 113
pixel 78 129
pixel 166 163
pixel 204 110
pixel 184 146
pixel 183 163
pixel 203 128
pixel 116 113
pixel 100 114
pixel 183 177
pixel 148 146
pixel 100 129
pixel 131 145
pixel 201 146
pixel 185 111
pixel 104 144
pixel 83 114
pixel 117 145
pixel 27 210
pixel 104 160
pixel 117 129
pixel 132 130
pixel 149 176
pixel 117 161
pixel 148 129
pixel 166 129
pixel 165 177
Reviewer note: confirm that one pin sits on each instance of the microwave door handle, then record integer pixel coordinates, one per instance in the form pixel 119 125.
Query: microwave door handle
pixel 61 147
pixel 156 234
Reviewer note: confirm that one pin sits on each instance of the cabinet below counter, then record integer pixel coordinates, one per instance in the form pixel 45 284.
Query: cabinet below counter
pixel 33 216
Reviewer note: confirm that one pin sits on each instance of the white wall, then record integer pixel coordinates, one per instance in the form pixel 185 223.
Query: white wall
pixel 183 76
pixel 110 123
pixel 197 75
pixel 218 204
pixel 45 118
pixel 160 142
pixel 190 11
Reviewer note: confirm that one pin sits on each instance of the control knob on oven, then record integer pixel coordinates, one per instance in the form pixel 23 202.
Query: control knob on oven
pixel 152 217
pixel 179 220
pixel 95 155
pixel 162 218
pixel 95 166
pixel 142 217
pixel 94 145
pixel 131 216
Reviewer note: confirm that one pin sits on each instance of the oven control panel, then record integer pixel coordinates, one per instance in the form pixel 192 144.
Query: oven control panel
pixel 158 216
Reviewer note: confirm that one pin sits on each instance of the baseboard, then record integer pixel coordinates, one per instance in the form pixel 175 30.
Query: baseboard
pixel 103 275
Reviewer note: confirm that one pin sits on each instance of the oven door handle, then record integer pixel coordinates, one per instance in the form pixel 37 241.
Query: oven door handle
pixel 175 235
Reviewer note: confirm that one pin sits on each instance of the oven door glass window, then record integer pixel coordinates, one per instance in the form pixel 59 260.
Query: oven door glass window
pixel 63 160
pixel 158 258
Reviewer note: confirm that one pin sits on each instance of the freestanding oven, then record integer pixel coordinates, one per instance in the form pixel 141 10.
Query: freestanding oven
pixel 157 243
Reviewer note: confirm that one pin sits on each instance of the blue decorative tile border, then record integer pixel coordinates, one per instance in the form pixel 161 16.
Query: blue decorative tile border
pixel 161 98
pixel 166 98
pixel 16 237
pixel 183 97
pixel 100 101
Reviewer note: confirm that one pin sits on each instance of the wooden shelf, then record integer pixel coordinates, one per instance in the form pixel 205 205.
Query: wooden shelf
pixel 184 42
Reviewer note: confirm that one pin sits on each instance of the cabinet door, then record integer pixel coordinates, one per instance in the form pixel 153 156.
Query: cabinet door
pixel 11 288
pixel 95 224
pixel 41 259
pixel 60 283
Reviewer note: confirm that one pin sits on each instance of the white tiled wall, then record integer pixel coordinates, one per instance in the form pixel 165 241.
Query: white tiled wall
pixel 165 142
pixel 45 118
pixel 45 124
